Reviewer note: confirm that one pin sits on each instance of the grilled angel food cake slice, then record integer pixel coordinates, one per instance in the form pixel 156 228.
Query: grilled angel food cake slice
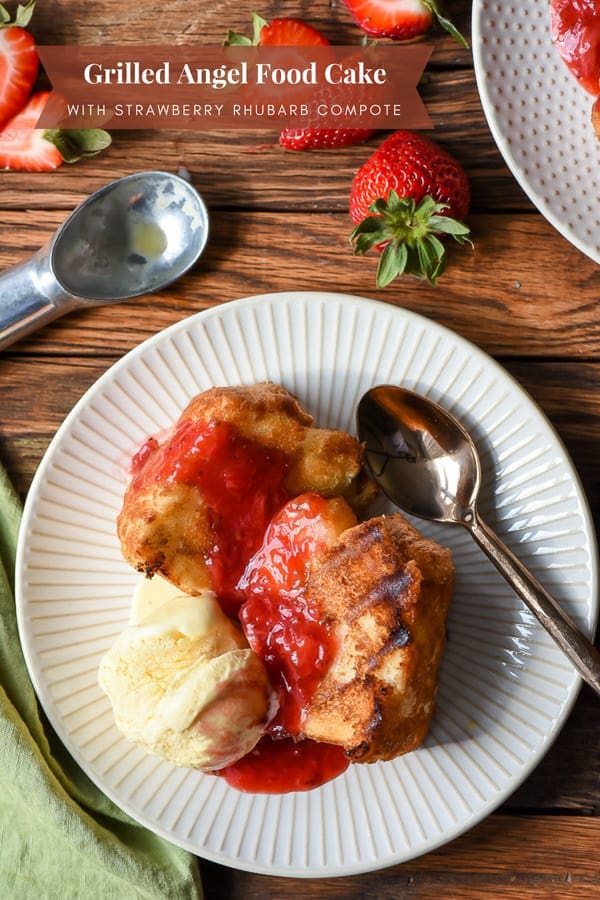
pixel 385 590
pixel 198 503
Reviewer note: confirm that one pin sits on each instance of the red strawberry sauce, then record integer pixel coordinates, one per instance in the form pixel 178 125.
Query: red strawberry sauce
pixel 575 28
pixel 281 624
pixel 262 550
pixel 241 483
pixel 277 767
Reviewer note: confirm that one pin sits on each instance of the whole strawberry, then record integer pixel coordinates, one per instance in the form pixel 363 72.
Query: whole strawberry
pixel 406 196
pixel 323 138
pixel 289 32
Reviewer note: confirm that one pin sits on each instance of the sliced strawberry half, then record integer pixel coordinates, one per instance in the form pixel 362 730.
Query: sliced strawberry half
pixel 25 148
pixel 290 32
pixel 284 32
pixel 279 32
pixel 18 61
pixel 402 20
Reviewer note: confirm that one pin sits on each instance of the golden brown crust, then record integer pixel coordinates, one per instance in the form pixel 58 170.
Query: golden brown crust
pixel 166 528
pixel 262 412
pixel 326 461
pixel 596 116
pixel 385 589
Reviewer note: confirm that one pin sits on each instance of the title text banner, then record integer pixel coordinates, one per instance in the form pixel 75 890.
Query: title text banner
pixel 211 87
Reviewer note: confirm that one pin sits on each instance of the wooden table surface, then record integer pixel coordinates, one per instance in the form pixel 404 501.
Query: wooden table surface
pixel 279 221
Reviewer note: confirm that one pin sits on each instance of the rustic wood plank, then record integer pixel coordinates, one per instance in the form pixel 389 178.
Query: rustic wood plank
pixel 108 21
pixel 269 177
pixel 266 177
pixel 498 295
pixel 509 857
pixel 569 396
pixel 57 383
pixel 576 751
pixel 568 391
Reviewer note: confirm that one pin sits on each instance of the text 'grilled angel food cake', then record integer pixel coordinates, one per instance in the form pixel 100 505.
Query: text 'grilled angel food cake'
pixel 385 591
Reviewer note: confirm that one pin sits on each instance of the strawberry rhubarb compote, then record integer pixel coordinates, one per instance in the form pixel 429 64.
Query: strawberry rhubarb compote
pixel 240 482
pixel 575 28
pixel 287 631
pixel 264 546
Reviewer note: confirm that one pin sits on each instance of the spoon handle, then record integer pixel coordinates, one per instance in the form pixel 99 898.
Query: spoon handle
pixel 582 653
pixel 30 297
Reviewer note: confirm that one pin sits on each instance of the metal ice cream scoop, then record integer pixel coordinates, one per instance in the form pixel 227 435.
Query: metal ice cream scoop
pixel 427 464
pixel 133 236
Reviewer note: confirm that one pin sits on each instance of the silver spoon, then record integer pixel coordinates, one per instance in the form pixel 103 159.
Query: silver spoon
pixel 132 237
pixel 426 464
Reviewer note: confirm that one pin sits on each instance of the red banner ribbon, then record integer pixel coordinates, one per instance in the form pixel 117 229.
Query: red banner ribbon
pixel 211 87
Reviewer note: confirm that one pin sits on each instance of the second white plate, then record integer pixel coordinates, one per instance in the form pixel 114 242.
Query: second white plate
pixel 505 689
pixel 539 116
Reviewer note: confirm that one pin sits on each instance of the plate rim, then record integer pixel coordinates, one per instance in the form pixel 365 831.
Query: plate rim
pixel 303 297
pixel 503 142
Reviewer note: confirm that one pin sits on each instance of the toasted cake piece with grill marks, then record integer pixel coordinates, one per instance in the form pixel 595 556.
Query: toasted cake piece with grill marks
pixel 385 590
pixel 166 528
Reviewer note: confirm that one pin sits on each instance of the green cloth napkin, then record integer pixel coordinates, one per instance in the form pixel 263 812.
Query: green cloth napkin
pixel 60 837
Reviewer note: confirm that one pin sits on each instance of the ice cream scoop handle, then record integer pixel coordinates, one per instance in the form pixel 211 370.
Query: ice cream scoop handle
pixel 576 646
pixel 30 297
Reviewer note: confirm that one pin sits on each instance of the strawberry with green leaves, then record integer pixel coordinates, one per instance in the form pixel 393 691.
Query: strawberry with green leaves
pixel 401 20
pixel 18 60
pixel 25 148
pixel 290 32
pixel 279 32
pixel 404 200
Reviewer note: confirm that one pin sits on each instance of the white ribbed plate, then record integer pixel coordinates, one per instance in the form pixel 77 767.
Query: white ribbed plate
pixel 539 116
pixel 505 689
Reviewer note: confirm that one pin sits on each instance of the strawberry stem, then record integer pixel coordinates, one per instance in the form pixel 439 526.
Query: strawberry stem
pixel 408 234
pixel 22 16
pixel 445 23
pixel 74 144
pixel 233 39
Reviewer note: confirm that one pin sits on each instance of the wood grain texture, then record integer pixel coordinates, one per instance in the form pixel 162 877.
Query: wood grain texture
pixel 508 856
pixel 567 391
pixel 496 295
pixel 111 22
pixel 270 178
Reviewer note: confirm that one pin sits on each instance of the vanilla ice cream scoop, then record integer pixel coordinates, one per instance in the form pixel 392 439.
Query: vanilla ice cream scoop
pixel 184 684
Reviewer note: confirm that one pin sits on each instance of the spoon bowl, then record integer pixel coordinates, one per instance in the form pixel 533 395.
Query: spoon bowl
pixel 134 236
pixel 426 463
pixel 423 458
